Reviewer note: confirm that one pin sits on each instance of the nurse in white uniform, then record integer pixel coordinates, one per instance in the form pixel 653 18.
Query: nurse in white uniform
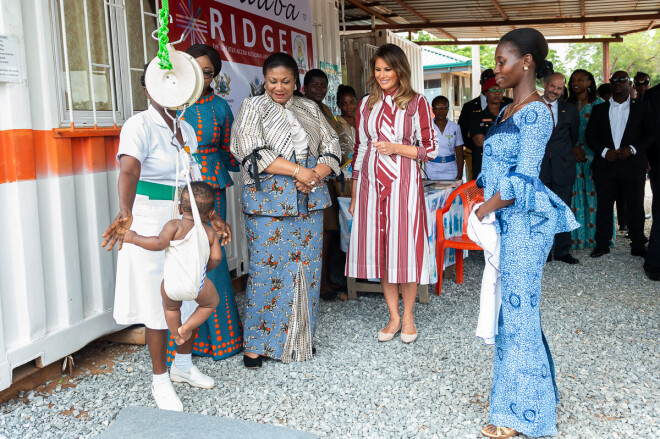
pixel 147 178
pixel 448 165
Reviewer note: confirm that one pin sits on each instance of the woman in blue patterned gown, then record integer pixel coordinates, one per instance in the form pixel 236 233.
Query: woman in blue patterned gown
pixel 524 393
pixel 222 334
pixel 286 148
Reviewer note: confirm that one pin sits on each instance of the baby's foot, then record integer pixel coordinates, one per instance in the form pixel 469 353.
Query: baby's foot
pixel 184 335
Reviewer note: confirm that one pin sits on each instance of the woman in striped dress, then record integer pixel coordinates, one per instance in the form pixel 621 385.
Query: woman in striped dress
pixel 389 238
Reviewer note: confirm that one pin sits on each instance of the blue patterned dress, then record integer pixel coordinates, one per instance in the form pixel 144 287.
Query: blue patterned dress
pixel 524 393
pixel 221 335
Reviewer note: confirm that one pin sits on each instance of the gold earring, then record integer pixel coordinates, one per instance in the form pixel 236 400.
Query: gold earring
pixel 525 68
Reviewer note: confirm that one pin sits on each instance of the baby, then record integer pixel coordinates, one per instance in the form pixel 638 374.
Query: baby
pixel 176 239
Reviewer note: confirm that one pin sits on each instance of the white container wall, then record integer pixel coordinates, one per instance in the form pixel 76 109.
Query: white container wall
pixel 58 194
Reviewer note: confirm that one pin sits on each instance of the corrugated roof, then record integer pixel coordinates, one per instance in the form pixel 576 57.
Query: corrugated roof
pixel 490 19
pixel 438 58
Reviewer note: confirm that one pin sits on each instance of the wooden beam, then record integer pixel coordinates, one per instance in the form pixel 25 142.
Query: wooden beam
pixel 501 11
pixel 584 30
pixel 518 22
pixel 446 33
pixel 651 25
pixel 414 11
pixel 550 41
pixel 368 5
pixel 644 29
pixel 368 17
pixel 357 4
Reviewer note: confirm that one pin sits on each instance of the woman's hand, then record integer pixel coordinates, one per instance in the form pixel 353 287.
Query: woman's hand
pixel 306 180
pixel 480 216
pixel 221 228
pixel 117 230
pixel 351 208
pixel 386 148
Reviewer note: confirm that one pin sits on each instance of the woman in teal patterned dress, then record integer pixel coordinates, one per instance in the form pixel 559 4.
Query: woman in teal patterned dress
pixel 583 94
pixel 222 334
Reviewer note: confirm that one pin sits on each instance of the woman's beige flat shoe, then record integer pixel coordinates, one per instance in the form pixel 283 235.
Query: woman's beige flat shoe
pixel 386 336
pixel 409 338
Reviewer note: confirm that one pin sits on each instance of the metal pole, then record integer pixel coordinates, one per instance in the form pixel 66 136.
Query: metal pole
pixel 89 63
pixel 128 57
pixel 113 92
pixel 66 63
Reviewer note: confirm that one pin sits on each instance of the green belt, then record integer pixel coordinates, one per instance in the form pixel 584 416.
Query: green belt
pixel 155 191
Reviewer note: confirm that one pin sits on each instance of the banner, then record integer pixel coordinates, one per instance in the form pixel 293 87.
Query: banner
pixel 245 33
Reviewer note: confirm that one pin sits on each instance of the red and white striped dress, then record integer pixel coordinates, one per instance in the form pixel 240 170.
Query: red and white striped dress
pixel 395 227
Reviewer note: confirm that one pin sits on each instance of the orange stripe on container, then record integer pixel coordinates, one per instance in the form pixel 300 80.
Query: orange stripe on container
pixel 52 157
pixel 88 154
pixel 30 154
pixel 16 156
pixel 111 148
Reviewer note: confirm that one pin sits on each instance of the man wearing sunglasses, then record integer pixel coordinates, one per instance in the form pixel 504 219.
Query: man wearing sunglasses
pixel 620 132
pixel 558 165
pixel 641 82
pixel 475 105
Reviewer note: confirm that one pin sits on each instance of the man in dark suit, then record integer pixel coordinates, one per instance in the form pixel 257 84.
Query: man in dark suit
pixel 620 132
pixel 652 261
pixel 475 105
pixel 558 166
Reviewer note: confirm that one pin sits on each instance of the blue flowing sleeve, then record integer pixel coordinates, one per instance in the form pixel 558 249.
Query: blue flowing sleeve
pixel 522 184
pixel 226 121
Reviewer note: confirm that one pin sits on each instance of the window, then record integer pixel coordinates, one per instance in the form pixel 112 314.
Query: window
pixel 432 83
pixel 103 45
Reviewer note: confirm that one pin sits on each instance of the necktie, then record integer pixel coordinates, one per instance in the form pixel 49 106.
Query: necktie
pixel 554 121
pixel 386 166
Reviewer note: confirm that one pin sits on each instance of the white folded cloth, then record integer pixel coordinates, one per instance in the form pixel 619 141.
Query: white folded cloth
pixel 485 235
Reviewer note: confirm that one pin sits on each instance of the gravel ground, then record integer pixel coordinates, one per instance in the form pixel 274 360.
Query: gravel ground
pixel 600 318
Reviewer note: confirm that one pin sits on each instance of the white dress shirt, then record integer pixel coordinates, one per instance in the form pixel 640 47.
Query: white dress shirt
pixel 618 115
pixel 554 108
pixel 146 137
pixel 298 135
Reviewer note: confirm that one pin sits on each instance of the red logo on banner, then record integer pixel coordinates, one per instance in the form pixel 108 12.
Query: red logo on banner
pixel 239 36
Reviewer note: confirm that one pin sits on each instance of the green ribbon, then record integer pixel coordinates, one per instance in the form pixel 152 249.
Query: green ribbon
pixel 163 54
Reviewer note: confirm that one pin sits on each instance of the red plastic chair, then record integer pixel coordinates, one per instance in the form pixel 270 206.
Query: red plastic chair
pixel 470 195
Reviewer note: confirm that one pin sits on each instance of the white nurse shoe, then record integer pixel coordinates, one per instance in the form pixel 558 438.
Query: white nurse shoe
pixel 166 397
pixel 195 377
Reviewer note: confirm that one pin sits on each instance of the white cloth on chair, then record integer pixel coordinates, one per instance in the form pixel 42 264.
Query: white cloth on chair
pixel 484 234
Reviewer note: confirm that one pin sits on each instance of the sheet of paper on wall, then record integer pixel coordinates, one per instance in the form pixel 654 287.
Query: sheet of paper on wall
pixel 10 61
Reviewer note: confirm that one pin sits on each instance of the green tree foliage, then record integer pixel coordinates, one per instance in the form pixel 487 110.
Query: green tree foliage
pixel 638 52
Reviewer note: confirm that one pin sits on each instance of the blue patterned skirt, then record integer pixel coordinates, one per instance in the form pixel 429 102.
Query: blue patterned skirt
pixel 524 394
pixel 283 288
